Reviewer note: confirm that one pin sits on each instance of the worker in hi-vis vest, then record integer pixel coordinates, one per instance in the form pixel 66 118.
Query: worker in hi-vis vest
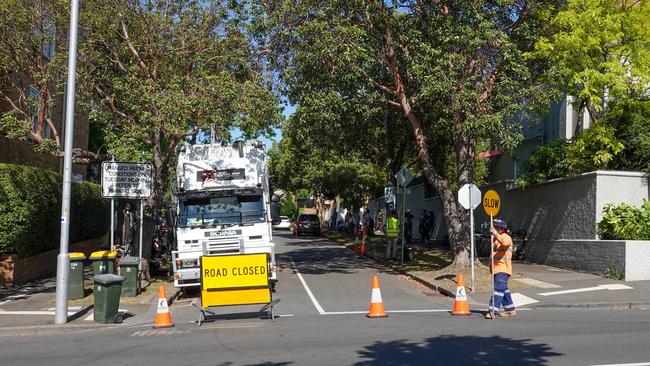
pixel 502 259
pixel 392 231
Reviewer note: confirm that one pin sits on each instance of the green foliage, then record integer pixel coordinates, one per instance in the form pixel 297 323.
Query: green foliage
pixel 547 162
pixel 625 222
pixel 30 208
pixel 593 149
pixel 632 121
pixel 288 207
pixel 32 73
pixel 599 48
pixel 613 274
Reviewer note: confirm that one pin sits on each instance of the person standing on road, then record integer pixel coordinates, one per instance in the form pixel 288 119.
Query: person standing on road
pixel 392 230
pixel 502 259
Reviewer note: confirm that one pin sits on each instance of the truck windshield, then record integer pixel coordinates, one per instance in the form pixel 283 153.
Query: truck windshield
pixel 213 211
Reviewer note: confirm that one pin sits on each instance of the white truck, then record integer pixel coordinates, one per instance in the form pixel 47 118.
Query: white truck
pixel 224 206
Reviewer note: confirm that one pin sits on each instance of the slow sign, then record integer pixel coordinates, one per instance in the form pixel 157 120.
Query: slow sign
pixel 491 203
pixel 239 279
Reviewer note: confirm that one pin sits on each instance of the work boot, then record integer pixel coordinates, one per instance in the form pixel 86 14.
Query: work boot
pixel 489 315
pixel 510 314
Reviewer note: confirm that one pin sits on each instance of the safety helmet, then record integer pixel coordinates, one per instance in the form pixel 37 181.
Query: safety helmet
pixel 498 223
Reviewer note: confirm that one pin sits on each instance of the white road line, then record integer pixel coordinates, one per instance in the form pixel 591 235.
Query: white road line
pixel 309 293
pixel 537 283
pixel 588 289
pixel 521 300
pixel 77 308
pixel 626 364
pixel 387 311
pixel 31 312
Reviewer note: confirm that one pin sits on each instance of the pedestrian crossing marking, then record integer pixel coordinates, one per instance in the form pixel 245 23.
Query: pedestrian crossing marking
pixel 158 332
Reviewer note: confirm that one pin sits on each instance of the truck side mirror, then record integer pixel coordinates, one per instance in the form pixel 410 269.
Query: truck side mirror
pixel 275 210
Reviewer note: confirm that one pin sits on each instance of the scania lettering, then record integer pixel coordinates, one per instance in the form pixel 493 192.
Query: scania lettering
pixel 223 203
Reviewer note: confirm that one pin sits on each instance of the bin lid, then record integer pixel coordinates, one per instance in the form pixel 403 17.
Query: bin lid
pixel 103 254
pixel 108 279
pixel 76 256
pixel 129 261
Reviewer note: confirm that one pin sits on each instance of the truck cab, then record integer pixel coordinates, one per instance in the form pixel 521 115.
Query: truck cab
pixel 223 203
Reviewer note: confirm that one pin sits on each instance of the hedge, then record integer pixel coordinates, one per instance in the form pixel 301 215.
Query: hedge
pixel 30 210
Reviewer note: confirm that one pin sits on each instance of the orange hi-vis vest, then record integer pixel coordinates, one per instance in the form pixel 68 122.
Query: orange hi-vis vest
pixel 502 254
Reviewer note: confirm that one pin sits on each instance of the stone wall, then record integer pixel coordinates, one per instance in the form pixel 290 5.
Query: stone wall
pixel 14 270
pixel 630 258
pixel 591 256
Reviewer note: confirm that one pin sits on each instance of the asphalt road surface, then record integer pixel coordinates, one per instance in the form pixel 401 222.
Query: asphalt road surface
pixel 324 293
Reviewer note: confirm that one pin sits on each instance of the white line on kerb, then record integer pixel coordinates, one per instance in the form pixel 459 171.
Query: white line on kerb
pixel 309 293
pixel 626 364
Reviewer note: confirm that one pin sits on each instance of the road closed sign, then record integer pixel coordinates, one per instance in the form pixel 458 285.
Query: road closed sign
pixel 240 279
pixel 491 202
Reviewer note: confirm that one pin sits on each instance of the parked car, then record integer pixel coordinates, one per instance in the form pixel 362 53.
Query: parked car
pixel 284 224
pixel 308 224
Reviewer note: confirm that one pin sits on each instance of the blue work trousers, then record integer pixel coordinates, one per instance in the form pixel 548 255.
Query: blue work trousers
pixel 501 294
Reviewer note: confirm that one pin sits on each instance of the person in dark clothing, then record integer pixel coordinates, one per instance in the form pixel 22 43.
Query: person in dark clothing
pixel 431 225
pixel 408 236
pixel 422 227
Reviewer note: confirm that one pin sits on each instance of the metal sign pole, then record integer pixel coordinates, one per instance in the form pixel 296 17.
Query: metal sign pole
pixel 403 220
pixel 141 230
pixel 492 263
pixel 471 233
pixel 112 224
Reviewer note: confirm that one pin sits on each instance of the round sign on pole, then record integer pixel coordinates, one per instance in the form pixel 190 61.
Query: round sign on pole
pixel 491 202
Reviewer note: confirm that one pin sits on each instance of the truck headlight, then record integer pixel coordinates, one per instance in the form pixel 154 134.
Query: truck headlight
pixel 187 263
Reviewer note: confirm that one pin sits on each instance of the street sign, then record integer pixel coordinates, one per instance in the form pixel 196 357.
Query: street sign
pixel 389 194
pixel 404 177
pixel 491 203
pixel 469 195
pixel 126 180
pixel 240 279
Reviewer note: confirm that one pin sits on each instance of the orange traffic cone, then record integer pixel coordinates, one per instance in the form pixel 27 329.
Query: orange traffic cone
pixel 163 316
pixel 376 305
pixel 363 248
pixel 461 306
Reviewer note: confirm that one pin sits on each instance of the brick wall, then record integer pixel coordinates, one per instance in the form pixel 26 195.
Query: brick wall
pixel 15 271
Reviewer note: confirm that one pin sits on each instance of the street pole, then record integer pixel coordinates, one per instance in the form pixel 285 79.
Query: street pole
pixel 492 263
pixel 141 230
pixel 63 262
pixel 471 233
pixel 403 220
pixel 112 224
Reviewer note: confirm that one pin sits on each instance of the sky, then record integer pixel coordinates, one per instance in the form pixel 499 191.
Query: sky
pixel 268 142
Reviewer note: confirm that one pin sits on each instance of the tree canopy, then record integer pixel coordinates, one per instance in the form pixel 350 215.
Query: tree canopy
pixel 155 73
pixel 455 71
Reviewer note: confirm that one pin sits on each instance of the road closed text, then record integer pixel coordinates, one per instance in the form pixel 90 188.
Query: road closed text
pixel 234 271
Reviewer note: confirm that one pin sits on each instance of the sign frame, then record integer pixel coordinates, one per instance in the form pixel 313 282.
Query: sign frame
pixel 147 186
pixel 266 286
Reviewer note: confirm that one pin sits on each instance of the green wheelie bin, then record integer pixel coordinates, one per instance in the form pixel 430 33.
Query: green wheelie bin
pixel 76 276
pixel 129 270
pixel 103 262
pixel 107 298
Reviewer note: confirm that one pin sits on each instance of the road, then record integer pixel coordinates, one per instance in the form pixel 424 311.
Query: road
pixel 324 292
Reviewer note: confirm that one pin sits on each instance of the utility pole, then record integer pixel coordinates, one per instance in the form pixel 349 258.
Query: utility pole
pixel 63 262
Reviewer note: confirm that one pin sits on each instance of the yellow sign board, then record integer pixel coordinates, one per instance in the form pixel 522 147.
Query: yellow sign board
pixel 491 202
pixel 240 279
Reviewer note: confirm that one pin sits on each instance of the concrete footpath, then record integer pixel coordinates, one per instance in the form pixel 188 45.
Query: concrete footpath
pixel 28 308
pixel 536 286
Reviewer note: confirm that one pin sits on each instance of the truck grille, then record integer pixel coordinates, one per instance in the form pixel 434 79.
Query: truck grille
pixel 226 245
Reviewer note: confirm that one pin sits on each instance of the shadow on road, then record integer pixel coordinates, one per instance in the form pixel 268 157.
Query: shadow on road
pixel 315 260
pixel 458 350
